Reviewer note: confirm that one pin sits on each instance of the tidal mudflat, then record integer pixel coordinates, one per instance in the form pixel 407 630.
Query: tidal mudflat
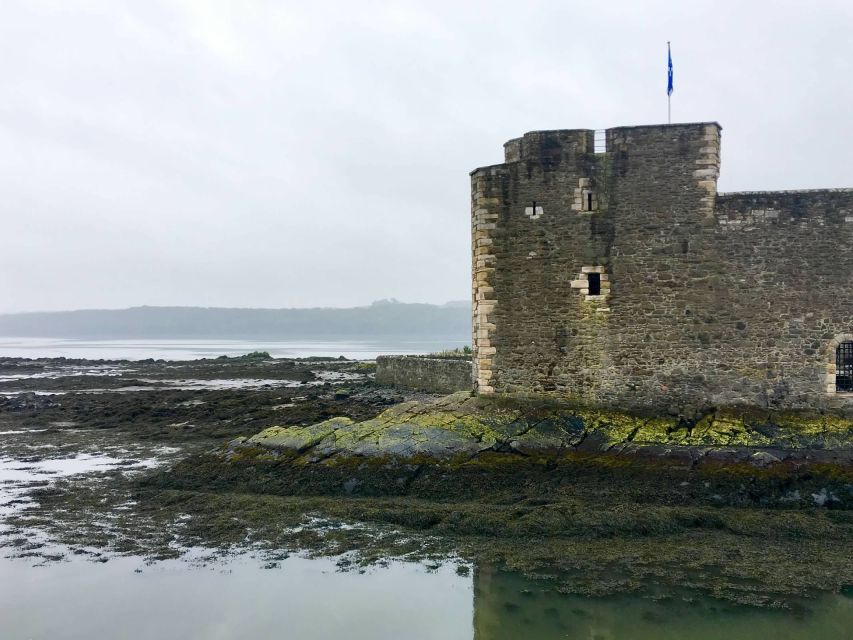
pixel 122 478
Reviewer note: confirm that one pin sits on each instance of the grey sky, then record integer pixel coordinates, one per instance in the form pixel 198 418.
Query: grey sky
pixel 282 154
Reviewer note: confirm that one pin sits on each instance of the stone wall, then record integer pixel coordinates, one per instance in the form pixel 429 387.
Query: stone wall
pixel 421 373
pixel 623 278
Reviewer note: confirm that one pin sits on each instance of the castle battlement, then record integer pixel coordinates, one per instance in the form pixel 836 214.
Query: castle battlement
pixel 565 145
pixel 606 267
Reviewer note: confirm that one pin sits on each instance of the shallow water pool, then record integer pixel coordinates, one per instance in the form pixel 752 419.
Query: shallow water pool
pixel 252 597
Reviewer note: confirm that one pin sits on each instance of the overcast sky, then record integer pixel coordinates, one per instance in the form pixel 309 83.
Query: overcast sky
pixel 278 154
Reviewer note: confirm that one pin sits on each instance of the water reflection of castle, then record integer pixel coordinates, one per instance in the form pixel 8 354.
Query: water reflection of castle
pixel 508 606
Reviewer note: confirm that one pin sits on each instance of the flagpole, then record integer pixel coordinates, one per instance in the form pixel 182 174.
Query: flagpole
pixel 669 92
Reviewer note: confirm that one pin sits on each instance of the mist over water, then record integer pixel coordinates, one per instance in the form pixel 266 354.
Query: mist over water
pixel 198 349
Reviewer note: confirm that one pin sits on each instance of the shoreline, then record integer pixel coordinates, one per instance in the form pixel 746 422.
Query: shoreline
pixel 588 501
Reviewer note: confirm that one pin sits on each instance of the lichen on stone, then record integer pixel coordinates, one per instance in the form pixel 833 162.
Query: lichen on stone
pixel 464 425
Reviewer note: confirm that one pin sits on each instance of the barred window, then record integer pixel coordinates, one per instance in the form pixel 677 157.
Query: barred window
pixel 844 368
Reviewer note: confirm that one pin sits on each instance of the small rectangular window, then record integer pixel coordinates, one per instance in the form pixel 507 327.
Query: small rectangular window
pixel 600 141
pixel 844 367
pixel 594 280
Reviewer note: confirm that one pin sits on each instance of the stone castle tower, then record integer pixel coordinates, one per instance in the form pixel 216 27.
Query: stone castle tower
pixel 607 268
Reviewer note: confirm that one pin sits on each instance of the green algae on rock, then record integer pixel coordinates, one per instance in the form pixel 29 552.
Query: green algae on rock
pixel 299 438
pixel 461 447
pixel 461 425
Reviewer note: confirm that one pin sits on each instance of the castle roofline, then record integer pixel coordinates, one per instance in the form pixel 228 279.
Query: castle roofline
pixel 551 144
pixel 784 192
pixel 488 166
pixel 669 126
pixel 673 125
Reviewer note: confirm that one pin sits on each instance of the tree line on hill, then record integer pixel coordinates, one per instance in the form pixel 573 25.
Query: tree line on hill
pixel 381 319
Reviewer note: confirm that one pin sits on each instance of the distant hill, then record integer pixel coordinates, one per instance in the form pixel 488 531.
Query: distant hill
pixel 383 318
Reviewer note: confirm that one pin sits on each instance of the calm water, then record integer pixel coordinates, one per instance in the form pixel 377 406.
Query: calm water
pixel 298 599
pixel 306 599
pixel 197 349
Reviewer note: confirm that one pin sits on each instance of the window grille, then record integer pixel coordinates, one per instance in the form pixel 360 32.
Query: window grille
pixel 844 368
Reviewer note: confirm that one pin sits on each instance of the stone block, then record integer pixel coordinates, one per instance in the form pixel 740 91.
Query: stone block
pixel 705 173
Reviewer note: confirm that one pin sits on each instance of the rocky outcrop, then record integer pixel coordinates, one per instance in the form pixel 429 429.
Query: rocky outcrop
pixel 460 426
pixel 552 489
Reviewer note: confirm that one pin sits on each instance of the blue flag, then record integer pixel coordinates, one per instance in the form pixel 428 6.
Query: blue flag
pixel 669 86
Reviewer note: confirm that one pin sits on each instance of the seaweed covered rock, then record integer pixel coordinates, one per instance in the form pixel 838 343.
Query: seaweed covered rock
pixel 461 426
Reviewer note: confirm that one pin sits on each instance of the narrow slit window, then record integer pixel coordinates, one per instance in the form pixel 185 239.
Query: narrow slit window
pixel 844 368
pixel 589 200
pixel 594 280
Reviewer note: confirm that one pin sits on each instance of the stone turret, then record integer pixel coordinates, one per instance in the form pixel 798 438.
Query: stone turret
pixel 605 268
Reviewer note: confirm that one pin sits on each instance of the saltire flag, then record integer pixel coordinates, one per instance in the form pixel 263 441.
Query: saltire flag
pixel 669 86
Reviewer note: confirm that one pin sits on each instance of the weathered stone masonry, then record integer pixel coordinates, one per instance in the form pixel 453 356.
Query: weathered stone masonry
pixel 423 373
pixel 624 278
